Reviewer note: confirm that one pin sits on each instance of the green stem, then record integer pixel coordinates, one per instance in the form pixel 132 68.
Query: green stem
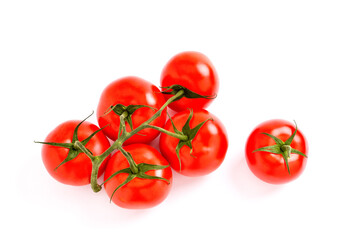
pixel 133 165
pixel 96 162
pixel 287 150
pixel 286 155
pixel 108 151
pixel 80 146
pixel 123 116
pixel 156 115
pixel 94 175
pixel 179 136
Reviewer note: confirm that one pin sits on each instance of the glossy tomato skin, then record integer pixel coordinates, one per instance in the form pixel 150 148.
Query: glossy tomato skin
pixel 77 171
pixel 209 146
pixel 138 193
pixel 194 71
pixel 271 167
pixel 131 91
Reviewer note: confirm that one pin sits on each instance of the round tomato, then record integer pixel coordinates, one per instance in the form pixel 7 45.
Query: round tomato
pixel 76 171
pixel 209 146
pixel 138 193
pixel 131 91
pixel 269 163
pixel 194 71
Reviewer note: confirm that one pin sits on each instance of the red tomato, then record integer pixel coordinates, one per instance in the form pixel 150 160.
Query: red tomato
pixel 78 170
pixel 209 145
pixel 194 71
pixel 131 91
pixel 271 167
pixel 138 193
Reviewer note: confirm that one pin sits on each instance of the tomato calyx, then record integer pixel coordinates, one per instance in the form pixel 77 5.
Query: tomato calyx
pixel 174 89
pixel 282 148
pixel 126 111
pixel 74 151
pixel 190 134
pixel 142 168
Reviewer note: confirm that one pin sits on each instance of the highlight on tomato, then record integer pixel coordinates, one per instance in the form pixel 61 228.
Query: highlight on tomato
pixel 194 71
pixel 146 188
pixel 64 161
pixel 203 146
pixel 276 151
pixel 139 100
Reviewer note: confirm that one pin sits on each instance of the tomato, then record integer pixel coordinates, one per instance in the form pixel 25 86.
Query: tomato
pixel 78 170
pixel 131 91
pixel 209 146
pixel 194 71
pixel 138 193
pixel 271 167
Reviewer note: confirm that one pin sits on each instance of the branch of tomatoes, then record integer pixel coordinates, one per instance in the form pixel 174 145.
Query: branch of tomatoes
pixel 185 136
pixel 132 112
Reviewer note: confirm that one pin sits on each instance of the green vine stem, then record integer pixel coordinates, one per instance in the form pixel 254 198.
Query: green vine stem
pixel 156 115
pixel 96 162
pixel 94 174
pixel 133 165
pixel 179 136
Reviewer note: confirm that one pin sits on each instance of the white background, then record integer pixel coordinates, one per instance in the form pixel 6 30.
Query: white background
pixel 296 60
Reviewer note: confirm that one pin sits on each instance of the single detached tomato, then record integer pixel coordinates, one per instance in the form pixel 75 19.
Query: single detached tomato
pixel 132 91
pixel 66 164
pixel 209 144
pixel 194 71
pixel 276 151
pixel 139 192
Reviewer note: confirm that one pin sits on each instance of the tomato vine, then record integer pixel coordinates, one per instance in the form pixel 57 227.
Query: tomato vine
pixel 134 170
pixel 132 112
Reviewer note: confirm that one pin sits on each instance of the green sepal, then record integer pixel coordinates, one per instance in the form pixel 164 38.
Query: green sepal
pixel 145 176
pixel 72 154
pixel 271 149
pixel 129 178
pixel 174 89
pixel 298 152
pixel 145 167
pixel 290 139
pixel 178 148
pixel 190 133
pixel 277 140
pixel 173 125
pixel 85 141
pixel 73 151
pixel 75 136
pixel 119 109
pixel 286 157
pixel 125 170
pixel 142 169
pixel 282 148
pixel 64 145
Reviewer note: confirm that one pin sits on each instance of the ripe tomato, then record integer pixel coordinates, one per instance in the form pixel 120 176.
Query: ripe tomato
pixel 194 71
pixel 271 167
pixel 78 170
pixel 209 146
pixel 131 91
pixel 138 193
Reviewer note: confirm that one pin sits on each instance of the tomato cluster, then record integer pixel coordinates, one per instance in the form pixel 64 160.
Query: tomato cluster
pixel 132 112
